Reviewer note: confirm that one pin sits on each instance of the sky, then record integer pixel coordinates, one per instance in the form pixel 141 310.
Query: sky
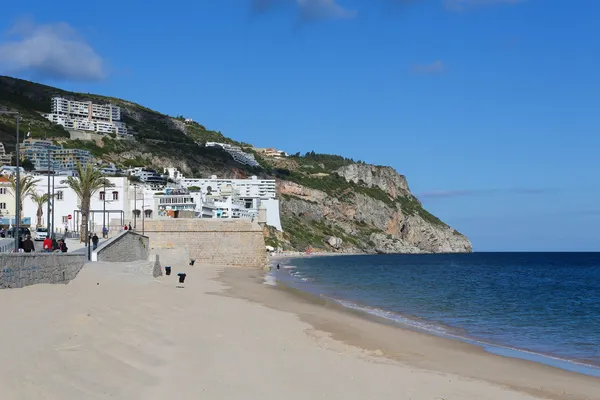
pixel 491 108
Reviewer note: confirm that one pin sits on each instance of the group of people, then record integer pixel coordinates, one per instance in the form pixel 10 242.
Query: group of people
pixel 48 246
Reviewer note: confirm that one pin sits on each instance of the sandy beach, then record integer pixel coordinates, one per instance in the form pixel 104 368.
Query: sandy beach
pixel 116 333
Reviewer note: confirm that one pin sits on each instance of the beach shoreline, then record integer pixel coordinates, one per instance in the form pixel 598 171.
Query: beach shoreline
pixel 416 349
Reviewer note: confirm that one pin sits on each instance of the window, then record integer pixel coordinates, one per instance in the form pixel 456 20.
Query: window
pixel 65 219
pixel 115 195
pixel 59 195
pixel 2 206
pixel 2 190
pixel 102 196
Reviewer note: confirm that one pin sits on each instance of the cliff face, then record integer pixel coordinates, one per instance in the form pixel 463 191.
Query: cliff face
pixel 363 219
pixel 386 178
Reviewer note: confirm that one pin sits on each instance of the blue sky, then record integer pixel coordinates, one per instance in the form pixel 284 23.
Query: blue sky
pixel 489 107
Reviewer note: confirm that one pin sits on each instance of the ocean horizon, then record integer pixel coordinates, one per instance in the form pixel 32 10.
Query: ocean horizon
pixel 539 306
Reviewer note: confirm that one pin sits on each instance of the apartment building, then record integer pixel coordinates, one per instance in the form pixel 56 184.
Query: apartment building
pixel 237 153
pixel 46 155
pixel 5 159
pixel 234 198
pixel 87 116
pixel 146 175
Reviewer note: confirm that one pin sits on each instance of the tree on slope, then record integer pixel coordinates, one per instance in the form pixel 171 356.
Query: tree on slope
pixel 39 199
pixel 87 182
pixel 26 188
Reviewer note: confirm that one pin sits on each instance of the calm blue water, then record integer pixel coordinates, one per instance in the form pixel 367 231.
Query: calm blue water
pixel 546 304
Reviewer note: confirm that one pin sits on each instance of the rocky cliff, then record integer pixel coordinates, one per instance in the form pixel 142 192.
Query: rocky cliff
pixel 374 213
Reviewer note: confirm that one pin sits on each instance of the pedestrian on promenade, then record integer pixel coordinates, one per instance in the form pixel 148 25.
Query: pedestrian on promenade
pixel 105 232
pixel 47 245
pixel 95 241
pixel 62 246
pixel 130 228
pixel 28 246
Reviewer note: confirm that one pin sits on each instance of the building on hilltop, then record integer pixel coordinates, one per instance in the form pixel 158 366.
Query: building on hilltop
pixel 237 153
pixel 87 116
pixel 146 175
pixel 271 152
pixel 47 156
pixel 5 159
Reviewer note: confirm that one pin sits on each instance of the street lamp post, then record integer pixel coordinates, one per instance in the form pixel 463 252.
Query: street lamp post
pixel 143 211
pixel 135 206
pixel 53 220
pixel 18 181
pixel 48 168
pixel 104 211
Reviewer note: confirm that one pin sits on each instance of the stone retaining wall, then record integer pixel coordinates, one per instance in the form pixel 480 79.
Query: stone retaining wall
pixel 23 269
pixel 231 242
pixel 126 246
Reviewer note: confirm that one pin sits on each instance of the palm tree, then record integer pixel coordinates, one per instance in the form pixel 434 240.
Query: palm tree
pixel 40 199
pixel 88 181
pixel 26 188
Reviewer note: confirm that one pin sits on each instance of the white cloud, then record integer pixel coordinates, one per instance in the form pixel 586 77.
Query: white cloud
pixel 436 67
pixel 308 9
pixel 324 9
pixel 50 51
pixel 463 4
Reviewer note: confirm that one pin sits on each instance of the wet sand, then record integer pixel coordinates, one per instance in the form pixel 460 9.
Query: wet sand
pixel 409 348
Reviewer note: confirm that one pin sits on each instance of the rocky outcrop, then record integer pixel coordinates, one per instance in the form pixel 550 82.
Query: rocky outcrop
pixel 364 223
pixel 385 178
pixel 334 242
pixel 389 244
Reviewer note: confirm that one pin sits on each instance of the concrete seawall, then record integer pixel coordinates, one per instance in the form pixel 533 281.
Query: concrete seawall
pixel 23 269
pixel 126 246
pixel 232 242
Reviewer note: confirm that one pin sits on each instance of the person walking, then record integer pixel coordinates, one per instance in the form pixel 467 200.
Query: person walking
pixel 105 232
pixel 95 241
pixel 130 228
pixel 28 246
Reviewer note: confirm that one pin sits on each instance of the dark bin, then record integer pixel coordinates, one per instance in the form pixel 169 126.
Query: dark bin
pixel 168 270
pixel 192 262
pixel 181 276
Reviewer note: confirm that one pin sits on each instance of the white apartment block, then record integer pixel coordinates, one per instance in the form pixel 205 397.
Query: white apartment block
pixel 87 116
pixel 5 158
pixel 263 189
pixel 237 153
pixel 235 198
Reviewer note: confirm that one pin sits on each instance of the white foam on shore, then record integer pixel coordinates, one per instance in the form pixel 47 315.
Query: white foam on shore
pixel 270 280
pixel 566 364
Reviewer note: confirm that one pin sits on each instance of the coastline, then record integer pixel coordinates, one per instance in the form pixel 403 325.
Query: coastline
pixel 416 349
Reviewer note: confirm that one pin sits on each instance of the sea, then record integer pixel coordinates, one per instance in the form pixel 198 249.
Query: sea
pixel 543 307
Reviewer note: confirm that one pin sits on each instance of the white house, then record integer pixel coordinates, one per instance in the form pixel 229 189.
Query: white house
pixel 107 207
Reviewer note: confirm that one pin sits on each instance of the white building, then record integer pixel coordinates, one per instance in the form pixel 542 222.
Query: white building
pixel 147 175
pixel 234 198
pixel 87 116
pixel 5 158
pixel 237 153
